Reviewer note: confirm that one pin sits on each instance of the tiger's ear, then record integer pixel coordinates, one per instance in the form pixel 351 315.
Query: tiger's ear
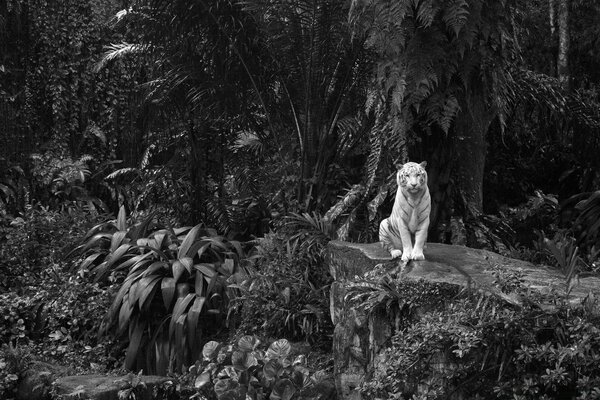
pixel 398 165
pixel 424 164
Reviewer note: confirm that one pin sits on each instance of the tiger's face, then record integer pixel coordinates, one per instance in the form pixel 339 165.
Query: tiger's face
pixel 412 177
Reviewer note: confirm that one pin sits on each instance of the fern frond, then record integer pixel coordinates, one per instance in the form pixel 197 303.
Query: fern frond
pixel 122 172
pixel 426 13
pixel 456 15
pixel 346 202
pixel 118 51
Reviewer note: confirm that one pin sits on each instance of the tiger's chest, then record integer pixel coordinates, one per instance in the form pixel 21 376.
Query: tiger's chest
pixel 410 211
pixel 413 220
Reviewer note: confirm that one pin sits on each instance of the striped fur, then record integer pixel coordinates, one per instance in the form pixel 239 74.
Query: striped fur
pixel 410 214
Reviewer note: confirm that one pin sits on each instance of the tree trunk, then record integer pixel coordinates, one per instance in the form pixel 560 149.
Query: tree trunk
pixel 552 16
pixel 562 65
pixel 197 170
pixel 470 149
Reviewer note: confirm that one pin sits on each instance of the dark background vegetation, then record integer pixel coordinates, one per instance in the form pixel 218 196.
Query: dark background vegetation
pixel 170 171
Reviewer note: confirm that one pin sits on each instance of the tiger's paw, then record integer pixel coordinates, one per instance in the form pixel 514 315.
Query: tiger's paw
pixel 395 253
pixel 417 255
pixel 406 255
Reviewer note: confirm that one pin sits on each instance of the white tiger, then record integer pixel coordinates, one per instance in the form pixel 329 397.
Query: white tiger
pixel 410 214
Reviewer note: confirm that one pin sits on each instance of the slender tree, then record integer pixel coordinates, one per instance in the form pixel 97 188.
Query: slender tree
pixel 564 39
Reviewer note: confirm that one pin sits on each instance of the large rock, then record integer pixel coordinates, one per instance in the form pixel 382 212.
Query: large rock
pixel 103 387
pixel 358 337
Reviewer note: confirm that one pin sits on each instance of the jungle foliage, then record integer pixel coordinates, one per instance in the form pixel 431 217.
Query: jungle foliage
pixel 179 167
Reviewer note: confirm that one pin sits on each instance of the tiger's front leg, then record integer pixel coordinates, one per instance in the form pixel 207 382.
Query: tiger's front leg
pixel 420 238
pixel 388 238
pixel 407 248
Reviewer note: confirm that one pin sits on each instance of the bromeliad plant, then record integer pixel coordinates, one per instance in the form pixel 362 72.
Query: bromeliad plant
pixel 172 287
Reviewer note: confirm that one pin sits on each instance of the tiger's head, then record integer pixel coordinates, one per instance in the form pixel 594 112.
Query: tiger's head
pixel 412 177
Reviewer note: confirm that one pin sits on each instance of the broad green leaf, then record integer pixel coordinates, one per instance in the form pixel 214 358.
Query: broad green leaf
pixel 223 386
pixel 107 228
pixel 115 257
pixel 211 284
pixel 146 288
pixel 167 287
pixel 99 271
pixel 188 263
pixel 134 260
pixel 116 304
pixel 180 230
pixel 301 378
pixel 178 270
pixel 243 360
pixel 117 240
pixel 192 320
pixel 160 253
pixel 205 244
pixel 196 246
pixel 134 344
pixel 124 314
pixel 211 232
pixel 206 269
pixel 159 239
pixel 283 390
pixel 122 219
pixel 179 336
pixel 90 259
pixel 279 349
pixel 210 350
pixel 182 289
pixel 229 266
pixel 96 240
pixel 248 343
pixel 272 369
pixel 199 284
pixel 202 380
pixel 155 267
pixel 190 238
pixel 181 305
pixel 238 248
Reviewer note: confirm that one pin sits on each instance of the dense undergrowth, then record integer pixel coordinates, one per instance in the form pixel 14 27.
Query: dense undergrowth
pixel 142 293
pixel 476 346
pixel 101 293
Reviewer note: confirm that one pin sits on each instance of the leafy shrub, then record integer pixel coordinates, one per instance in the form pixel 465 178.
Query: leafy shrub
pixel 22 318
pixel 12 186
pixel 246 371
pixel 587 224
pixel 31 245
pixel 285 293
pixel 60 180
pixel 477 346
pixel 14 361
pixel 172 287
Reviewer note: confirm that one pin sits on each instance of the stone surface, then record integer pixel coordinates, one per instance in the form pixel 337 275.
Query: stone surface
pixel 103 387
pixel 359 337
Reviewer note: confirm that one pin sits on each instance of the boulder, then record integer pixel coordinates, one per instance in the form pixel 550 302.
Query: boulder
pixel 358 337
pixel 103 387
